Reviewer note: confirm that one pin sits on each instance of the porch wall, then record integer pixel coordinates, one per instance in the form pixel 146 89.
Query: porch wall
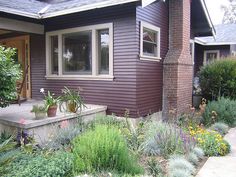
pixel 199 54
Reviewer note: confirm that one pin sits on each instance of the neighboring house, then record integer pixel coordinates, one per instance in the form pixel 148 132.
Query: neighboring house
pixel 208 49
pixel 132 54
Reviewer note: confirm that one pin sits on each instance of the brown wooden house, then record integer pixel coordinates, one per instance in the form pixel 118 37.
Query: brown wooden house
pixel 126 54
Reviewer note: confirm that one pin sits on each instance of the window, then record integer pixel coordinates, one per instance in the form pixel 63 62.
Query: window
pixel 210 56
pixel 149 42
pixel 80 53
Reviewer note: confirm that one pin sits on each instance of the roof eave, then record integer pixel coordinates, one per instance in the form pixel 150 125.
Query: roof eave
pixel 18 12
pixel 84 8
pixel 210 23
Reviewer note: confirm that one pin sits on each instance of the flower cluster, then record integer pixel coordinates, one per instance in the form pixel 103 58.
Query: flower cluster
pixel 210 141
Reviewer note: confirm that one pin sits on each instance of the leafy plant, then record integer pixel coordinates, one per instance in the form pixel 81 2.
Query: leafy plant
pixel 103 149
pixel 166 139
pixel 72 99
pixel 219 79
pixel 56 164
pixel 39 108
pixel 4 136
pixel 211 142
pixel 222 110
pixel 10 72
pixel 220 127
pixel 5 158
pixel 49 98
pixel 178 165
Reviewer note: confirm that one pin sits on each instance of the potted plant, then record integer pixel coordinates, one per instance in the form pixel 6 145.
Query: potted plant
pixel 197 93
pixel 71 100
pixel 51 103
pixel 40 111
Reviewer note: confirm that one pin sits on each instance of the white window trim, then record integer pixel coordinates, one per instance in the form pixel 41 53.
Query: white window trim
pixel 154 28
pixel 210 51
pixel 94 75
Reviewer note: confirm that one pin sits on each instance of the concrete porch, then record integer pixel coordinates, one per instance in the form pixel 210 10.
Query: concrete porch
pixel 10 119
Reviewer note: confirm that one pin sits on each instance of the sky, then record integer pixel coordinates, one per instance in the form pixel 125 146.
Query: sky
pixel 214 8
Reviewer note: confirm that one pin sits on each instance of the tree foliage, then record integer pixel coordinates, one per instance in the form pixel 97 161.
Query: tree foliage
pixel 10 72
pixel 229 12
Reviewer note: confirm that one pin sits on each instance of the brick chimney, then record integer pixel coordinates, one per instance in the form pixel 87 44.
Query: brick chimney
pixel 178 66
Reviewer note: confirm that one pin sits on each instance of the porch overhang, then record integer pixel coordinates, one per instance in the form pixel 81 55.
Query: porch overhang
pixel 21 26
pixel 201 22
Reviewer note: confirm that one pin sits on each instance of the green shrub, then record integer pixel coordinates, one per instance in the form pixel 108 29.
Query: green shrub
pixel 222 110
pixel 220 127
pixel 58 164
pixel 219 79
pixel 178 165
pixel 179 173
pixel 193 158
pixel 211 142
pixel 165 139
pixel 9 73
pixel 198 152
pixel 103 149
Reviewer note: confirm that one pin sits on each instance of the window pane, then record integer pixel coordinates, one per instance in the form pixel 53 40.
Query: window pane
pixel 211 56
pixel 54 54
pixel 103 51
pixel 149 42
pixel 77 53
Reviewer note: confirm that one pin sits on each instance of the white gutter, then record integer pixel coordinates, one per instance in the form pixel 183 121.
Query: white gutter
pixel 208 17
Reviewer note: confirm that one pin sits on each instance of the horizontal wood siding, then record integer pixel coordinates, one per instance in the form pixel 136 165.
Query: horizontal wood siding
pixel 118 94
pixel 150 73
pixel 199 54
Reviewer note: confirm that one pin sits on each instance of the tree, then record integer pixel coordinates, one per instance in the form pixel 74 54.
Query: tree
pixel 229 12
pixel 10 72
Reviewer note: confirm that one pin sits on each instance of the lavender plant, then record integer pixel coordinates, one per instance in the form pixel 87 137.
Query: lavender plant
pixel 166 139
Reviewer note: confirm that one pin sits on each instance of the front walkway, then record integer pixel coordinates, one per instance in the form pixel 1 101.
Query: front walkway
pixel 222 166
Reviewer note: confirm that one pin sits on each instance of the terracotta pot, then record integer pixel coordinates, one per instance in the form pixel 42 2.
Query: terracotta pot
pixel 40 115
pixel 72 107
pixel 52 111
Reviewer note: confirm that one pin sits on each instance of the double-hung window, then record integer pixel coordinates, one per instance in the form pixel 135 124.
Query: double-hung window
pixel 210 56
pixel 80 53
pixel 149 41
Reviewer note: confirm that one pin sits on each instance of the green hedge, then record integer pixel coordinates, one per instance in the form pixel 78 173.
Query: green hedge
pixel 9 73
pixel 222 110
pixel 219 79
pixel 103 149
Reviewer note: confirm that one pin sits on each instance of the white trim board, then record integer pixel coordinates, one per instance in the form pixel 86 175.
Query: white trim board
pixel 21 26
